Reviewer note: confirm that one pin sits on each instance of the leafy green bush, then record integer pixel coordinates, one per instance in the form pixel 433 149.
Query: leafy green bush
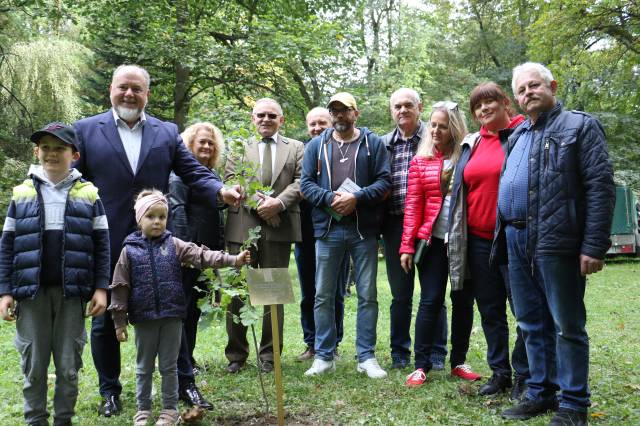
pixel 12 172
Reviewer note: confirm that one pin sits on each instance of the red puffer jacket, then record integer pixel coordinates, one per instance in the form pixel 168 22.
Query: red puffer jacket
pixel 424 201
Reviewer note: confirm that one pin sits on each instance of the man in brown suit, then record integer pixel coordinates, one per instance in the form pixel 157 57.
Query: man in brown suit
pixel 278 215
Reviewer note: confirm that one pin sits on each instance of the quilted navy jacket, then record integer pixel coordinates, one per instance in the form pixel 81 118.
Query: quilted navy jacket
pixel 86 242
pixel 571 189
pixel 156 281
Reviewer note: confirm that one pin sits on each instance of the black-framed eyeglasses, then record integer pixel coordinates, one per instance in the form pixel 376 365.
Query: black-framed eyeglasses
pixel 451 106
pixel 271 115
pixel 338 111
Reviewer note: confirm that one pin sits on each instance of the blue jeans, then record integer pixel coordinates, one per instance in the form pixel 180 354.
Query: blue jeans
pixel 401 285
pixel 343 238
pixel 549 305
pixel 305 254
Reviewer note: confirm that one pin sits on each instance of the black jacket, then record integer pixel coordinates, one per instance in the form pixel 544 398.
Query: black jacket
pixel 192 220
pixel 571 189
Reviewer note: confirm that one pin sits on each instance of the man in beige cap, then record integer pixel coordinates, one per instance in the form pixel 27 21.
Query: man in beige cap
pixel 345 176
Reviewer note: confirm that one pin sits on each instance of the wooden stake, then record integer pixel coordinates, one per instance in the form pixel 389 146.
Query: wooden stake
pixel 276 363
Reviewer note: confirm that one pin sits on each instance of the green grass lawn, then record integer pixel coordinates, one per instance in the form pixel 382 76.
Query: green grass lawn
pixel 346 397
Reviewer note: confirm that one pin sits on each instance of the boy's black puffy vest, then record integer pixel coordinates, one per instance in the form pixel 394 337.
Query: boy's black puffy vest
pixel 156 284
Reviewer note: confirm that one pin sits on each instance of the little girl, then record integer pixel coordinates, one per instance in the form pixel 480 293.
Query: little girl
pixel 147 291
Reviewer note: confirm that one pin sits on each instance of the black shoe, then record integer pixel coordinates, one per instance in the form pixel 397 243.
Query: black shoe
pixel 192 396
pixel 497 383
pixel 568 417
pixel 234 367
pixel 266 366
pixel 527 409
pixel 399 363
pixel 110 406
pixel 519 388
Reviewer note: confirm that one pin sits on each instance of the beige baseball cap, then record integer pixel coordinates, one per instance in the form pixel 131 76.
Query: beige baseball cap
pixel 345 99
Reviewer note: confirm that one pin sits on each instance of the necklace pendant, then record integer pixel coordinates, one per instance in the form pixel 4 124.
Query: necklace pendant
pixel 342 160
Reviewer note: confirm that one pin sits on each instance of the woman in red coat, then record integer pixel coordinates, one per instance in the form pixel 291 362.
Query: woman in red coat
pixel 425 228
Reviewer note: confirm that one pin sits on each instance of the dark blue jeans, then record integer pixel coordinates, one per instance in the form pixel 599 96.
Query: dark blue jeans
pixel 401 285
pixel 549 305
pixel 433 272
pixel 305 254
pixel 490 291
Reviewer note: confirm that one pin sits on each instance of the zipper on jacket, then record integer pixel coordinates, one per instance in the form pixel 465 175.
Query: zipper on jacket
pixel 355 180
pixel 546 152
pixel 41 219
pixel 64 237
pixel 323 149
pixel 154 274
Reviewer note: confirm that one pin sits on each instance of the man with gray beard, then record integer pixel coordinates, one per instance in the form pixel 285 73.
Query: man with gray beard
pixel 122 152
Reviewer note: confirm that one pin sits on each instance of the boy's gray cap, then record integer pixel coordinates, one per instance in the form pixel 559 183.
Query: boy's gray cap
pixel 62 131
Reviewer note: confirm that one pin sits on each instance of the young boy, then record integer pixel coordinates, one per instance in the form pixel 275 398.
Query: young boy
pixel 54 257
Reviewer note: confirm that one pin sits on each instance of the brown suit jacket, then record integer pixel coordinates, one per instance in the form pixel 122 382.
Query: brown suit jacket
pixel 286 187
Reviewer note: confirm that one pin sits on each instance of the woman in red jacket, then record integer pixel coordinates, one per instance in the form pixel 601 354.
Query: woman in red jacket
pixel 472 221
pixel 425 227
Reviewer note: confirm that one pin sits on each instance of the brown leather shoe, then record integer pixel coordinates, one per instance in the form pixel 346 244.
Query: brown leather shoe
pixel 308 353
pixel 234 367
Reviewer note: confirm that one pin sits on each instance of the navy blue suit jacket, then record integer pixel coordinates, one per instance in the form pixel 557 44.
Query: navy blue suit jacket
pixel 104 162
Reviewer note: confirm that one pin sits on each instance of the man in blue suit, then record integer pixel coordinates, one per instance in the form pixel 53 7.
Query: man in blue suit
pixel 123 151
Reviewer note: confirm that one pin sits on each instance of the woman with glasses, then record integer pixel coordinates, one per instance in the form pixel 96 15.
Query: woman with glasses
pixel 423 242
pixel 471 224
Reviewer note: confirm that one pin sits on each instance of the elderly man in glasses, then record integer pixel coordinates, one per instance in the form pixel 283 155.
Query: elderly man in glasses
pixel 346 178
pixel 402 144
pixel 278 214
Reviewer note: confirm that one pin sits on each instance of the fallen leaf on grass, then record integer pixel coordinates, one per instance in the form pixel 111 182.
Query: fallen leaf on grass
pixel 621 326
pixel 491 402
pixel 597 415
pixel 633 386
pixel 467 389
pixel 193 414
pixel 339 403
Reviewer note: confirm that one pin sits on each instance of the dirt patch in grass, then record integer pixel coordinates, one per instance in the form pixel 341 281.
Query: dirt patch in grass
pixel 255 420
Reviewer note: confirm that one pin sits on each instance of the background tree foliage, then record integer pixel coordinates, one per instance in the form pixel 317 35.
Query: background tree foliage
pixel 210 59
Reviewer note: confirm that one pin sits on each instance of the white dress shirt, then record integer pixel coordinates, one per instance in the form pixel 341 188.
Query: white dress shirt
pixel 131 138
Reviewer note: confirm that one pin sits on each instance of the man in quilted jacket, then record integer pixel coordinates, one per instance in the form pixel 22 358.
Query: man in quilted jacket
pixel 555 207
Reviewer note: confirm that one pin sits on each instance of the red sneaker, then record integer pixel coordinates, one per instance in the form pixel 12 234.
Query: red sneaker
pixel 464 372
pixel 415 379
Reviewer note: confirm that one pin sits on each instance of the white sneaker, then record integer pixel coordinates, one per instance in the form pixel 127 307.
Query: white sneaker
pixel 372 368
pixel 320 366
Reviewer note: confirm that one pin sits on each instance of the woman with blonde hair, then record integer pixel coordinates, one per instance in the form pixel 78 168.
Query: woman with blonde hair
pixel 206 143
pixel 195 222
pixel 423 241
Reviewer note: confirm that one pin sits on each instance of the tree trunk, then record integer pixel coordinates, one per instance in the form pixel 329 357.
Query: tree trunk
pixel 182 73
